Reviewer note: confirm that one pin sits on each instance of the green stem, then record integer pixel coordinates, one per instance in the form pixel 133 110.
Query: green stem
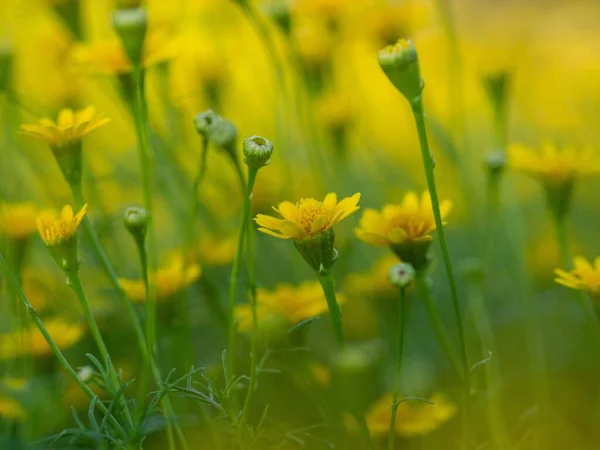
pixel 57 353
pixel 235 269
pixel 326 281
pixel 402 320
pixel 194 201
pixel 438 326
pixel 250 262
pixel 417 109
pixel 364 428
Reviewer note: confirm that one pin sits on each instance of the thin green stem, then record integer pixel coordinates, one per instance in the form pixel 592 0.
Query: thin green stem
pixel 402 321
pixel 326 281
pixel 250 263
pixel 57 353
pixel 364 428
pixel 194 201
pixel 235 269
pixel 438 326
pixel 417 109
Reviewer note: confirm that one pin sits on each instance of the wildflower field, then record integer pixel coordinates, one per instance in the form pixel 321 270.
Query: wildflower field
pixel 299 224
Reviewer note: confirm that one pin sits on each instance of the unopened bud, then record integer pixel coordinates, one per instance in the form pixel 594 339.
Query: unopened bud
pixel 402 274
pixel 224 136
pixel 400 63
pixel 131 25
pixel 136 221
pixel 495 162
pixel 257 151
pixel 205 121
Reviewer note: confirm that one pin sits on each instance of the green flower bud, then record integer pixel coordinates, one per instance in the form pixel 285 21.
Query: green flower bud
pixel 279 10
pixel 131 25
pixel 318 250
pixel 495 161
pixel 400 63
pixel 136 220
pixel 415 253
pixel 257 151
pixel 224 136
pixel 205 121
pixel 402 274
pixel 6 62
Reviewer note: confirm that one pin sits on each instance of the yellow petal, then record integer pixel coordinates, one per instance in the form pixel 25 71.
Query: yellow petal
pixel 65 118
pixel 330 201
pixel 397 236
pixel 287 210
pixel 272 233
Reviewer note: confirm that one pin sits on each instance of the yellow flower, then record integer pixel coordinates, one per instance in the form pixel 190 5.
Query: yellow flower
pixel 414 418
pixel 217 251
pixel 584 276
pixel 12 409
pixel 552 165
pixel 109 58
pixel 70 127
pixel 308 217
pixel 56 230
pixel 290 303
pixel 169 280
pixel 410 221
pixel 31 341
pixel 18 220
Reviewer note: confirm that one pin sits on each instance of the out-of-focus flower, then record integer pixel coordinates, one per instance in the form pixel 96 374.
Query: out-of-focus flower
pixel 391 20
pixel 373 283
pixel 109 58
pixel 553 165
pixel 70 127
pixel 585 276
pixel 60 229
pixel 31 341
pixel 413 418
pixel 12 409
pixel 313 43
pixel 169 280
pixel 42 289
pixel 18 220
pixel 290 303
pixel 412 220
pixel 308 217
pixel 216 250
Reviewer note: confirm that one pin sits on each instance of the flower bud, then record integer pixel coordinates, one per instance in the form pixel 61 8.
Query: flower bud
pixel 279 10
pixel 257 151
pixel 495 161
pixel 402 274
pixel 136 221
pixel 205 121
pixel 224 136
pixel 6 62
pixel 317 250
pixel 401 65
pixel 415 253
pixel 131 25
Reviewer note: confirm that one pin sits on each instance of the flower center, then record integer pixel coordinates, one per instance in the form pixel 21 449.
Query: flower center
pixel 308 209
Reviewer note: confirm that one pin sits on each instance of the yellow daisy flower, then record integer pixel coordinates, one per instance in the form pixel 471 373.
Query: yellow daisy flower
pixel 18 220
pixel 31 341
pixel 410 221
pixel 308 217
pixel 553 165
pixel 56 230
pixel 169 280
pixel 69 128
pixel 293 304
pixel 216 250
pixel 584 277
pixel 414 418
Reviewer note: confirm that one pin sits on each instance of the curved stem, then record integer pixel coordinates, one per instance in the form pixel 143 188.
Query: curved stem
pixel 194 201
pixel 417 109
pixel 402 320
pixel 57 353
pixel 326 281
pixel 235 270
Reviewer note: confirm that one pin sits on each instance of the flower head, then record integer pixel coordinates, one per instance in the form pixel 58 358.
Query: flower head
pixel 18 220
pixel 58 229
pixel 585 276
pixel 293 304
pixel 412 220
pixel 400 63
pixel 308 217
pixel 553 165
pixel 413 418
pixel 69 128
pixel 168 280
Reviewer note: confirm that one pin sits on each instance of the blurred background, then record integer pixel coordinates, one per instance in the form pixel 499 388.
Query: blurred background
pixel 312 85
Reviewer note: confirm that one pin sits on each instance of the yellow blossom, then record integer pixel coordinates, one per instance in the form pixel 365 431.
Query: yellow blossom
pixel 69 128
pixel 413 418
pixel 55 230
pixel 18 220
pixel 373 282
pixel 553 165
pixel 217 251
pixel 308 217
pixel 31 341
pixel 169 280
pixel 12 409
pixel 585 276
pixel 410 221
pixel 290 303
